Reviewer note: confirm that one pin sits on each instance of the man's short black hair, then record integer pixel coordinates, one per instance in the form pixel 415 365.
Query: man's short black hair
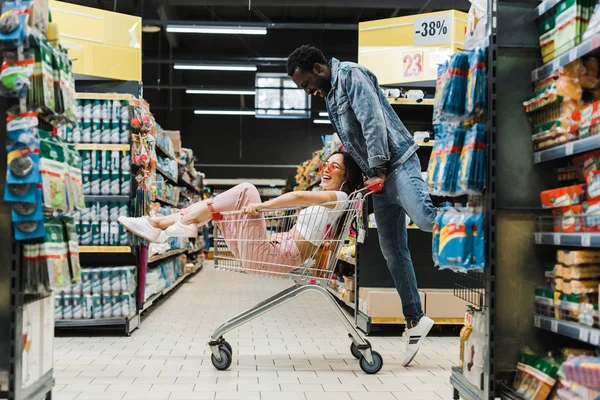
pixel 304 58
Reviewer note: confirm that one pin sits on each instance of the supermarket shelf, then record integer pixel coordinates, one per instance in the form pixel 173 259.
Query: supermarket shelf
pixel 106 198
pixel 349 260
pixel 104 249
pixel 39 388
pixel 585 47
pixel 164 152
pixel 467 390
pixel 104 96
pixel 410 102
pixel 572 330
pixel 102 146
pixel 165 201
pixel 193 251
pixel 77 323
pixel 189 184
pixel 396 321
pixel 158 257
pixel 507 393
pixel 170 178
pixel 148 303
pixel 408 226
pixel 422 143
pixel 576 147
pixel 568 239
pixel 338 296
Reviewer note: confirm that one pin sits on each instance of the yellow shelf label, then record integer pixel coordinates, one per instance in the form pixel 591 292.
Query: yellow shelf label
pixel 104 249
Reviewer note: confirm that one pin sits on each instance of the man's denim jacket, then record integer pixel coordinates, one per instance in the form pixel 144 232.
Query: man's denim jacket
pixel 364 120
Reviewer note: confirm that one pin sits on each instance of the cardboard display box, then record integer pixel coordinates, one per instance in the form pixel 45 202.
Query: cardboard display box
pixel 176 139
pixel 382 302
pixel 441 303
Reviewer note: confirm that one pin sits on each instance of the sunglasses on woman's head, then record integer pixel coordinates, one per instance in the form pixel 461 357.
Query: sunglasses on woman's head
pixel 329 167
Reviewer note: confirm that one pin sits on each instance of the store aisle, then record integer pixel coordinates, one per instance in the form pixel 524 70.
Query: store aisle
pixel 299 351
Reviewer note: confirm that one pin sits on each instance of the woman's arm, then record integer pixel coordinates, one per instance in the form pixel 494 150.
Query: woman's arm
pixel 292 199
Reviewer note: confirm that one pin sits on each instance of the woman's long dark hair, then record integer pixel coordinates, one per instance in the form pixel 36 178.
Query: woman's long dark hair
pixel 353 180
pixel 353 176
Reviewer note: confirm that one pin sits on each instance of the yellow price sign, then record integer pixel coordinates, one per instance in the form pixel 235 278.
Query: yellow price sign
pixel 412 65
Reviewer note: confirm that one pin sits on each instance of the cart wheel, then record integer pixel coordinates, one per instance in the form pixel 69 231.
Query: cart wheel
pixel 227 346
pixel 225 359
pixel 377 363
pixel 354 350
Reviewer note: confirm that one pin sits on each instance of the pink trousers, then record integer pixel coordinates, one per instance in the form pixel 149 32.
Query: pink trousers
pixel 247 236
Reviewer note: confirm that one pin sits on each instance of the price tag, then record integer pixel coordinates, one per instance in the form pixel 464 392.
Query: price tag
pixel 432 30
pixel 557 239
pixel 412 64
pixel 538 238
pixel 555 64
pixel 573 55
pixel 594 337
pixel 569 149
pixel 536 321
pixel 554 325
pixel 586 240
pixel 584 334
pixel 537 157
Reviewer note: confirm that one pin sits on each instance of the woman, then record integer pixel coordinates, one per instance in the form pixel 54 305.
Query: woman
pixel 246 233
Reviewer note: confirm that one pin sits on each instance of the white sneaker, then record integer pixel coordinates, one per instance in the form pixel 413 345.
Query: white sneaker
pixel 140 226
pixel 162 238
pixel 180 230
pixel 414 338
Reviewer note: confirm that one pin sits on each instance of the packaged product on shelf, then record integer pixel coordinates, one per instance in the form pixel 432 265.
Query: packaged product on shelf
pixel 58 306
pixel 67 303
pixel 116 306
pixel 544 302
pixel 95 232
pixel 535 377
pixel 569 272
pixel 52 170
pixel 561 197
pixel 86 282
pixel 458 242
pixel 107 305
pixel 114 232
pixel 583 370
pixel 105 132
pixel 476 350
pixel 97 308
pixel 86 132
pixel 15 77
pixel 55 254
pixel 87 306
pixel 77 306
pixel 104 233
pixel 578 257
pixel 20 10
pixel 95 182
pixel 96 280
pixel 125 183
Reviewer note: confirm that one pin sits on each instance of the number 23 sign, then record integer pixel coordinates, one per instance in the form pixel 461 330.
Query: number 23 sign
pixel 412 64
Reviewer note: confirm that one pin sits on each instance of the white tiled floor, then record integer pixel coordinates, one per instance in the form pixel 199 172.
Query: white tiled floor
pixel 298 352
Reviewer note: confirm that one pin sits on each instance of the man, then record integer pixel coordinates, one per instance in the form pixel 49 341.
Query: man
pixel 384 149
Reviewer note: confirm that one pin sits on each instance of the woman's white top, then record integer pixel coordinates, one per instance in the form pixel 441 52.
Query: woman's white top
pixel 313 221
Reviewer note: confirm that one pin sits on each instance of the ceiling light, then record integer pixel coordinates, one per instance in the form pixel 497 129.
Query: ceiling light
pixel 215 29
pixel 150 28
pixel 215 91
pixel 323 114
pixel 209 67
pixel 322 121
pixel 224 112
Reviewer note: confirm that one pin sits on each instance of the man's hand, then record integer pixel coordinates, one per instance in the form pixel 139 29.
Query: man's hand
pixel 251 208
pixel 375 179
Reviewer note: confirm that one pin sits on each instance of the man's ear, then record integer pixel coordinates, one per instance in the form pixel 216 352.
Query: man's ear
pixel 317 68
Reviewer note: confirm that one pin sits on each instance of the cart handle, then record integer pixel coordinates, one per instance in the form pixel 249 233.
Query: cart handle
pixel 375 187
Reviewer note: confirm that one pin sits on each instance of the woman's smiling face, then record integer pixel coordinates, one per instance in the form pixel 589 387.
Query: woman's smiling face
pixel 333 173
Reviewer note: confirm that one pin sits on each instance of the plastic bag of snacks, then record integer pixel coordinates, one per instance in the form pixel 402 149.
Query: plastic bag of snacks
pixel 15 77
pixel 15 17
pixel 52 170
pixel 458 241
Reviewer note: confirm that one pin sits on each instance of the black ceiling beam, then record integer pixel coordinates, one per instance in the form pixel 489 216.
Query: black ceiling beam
pixel 166 13
pixel 271 25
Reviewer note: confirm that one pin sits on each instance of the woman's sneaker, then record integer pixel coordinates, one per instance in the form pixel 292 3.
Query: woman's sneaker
pixel 414 338
pixel 180 230
pixel 142 227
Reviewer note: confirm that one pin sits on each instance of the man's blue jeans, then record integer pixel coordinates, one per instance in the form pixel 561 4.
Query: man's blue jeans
pixel 404 192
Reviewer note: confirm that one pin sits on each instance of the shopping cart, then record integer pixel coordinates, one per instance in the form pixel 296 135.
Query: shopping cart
pixel 311 271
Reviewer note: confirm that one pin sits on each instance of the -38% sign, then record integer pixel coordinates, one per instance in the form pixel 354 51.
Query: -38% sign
pixel 412 64
pixel 432 30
